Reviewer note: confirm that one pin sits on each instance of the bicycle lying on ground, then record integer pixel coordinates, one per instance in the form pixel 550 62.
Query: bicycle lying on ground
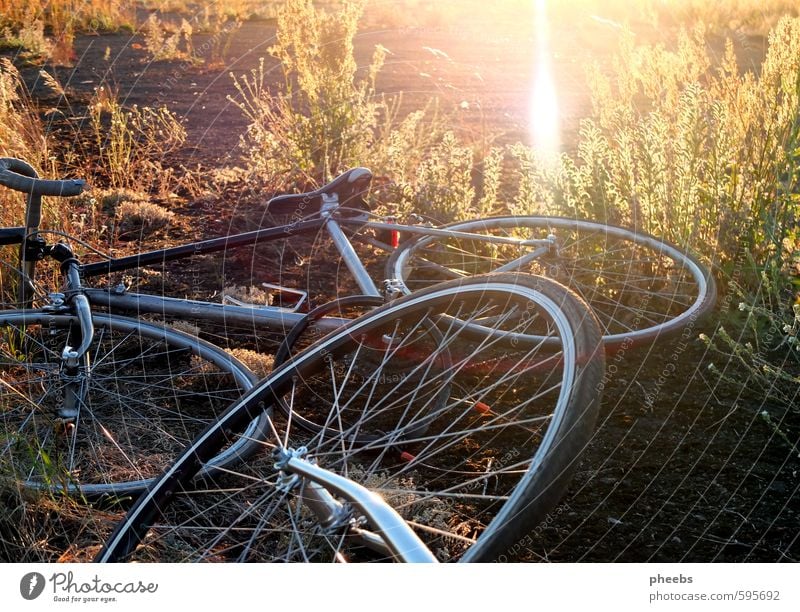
pixel 103 403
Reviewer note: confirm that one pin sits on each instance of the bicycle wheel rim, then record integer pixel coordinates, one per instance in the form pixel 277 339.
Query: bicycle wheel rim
pixel 559 423
pixel 135 369
pixel 691 307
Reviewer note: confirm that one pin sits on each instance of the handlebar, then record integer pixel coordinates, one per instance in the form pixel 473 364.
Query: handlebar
pixel 21 176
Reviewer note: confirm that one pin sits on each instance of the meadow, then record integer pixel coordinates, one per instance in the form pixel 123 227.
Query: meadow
pixel 678 117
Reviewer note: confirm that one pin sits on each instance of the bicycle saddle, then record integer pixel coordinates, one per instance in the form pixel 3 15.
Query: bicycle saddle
pixel 349 189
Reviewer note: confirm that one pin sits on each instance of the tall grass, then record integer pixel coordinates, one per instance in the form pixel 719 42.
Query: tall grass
pixel 687 148
pixel 723 17
pixel 127 147
pixel 761 350
pixel 327 118
pixel 132 143
pixel 58 15
pixel 47 28
pixel 681 144
pixel 690 147
pixel 324 118
pixel 163 44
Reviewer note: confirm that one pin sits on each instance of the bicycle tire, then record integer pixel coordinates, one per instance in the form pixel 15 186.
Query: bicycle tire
pixel 641 288
pixel 493 465
pixel 149 390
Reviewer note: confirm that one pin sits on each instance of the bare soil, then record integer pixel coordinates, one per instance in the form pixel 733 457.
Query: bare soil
pixel 680 468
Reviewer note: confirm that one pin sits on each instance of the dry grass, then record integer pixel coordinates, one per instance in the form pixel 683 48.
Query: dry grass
pixel 323 121
pixel 22 135
pixel 746 16
pixel 689 149
pixel 165 43
pixel 258 363
pixel 249 294
pixel 25 23
pixel 234 9
pixel 138 220
pixel 726 16
pixel 680 143
pixel 60 15
pixel 132 143
pixel 21 131
pixel 40 528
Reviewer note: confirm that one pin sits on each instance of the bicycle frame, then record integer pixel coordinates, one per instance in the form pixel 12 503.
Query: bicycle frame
pixel 271 316
pixel 79 299
pixel 275 318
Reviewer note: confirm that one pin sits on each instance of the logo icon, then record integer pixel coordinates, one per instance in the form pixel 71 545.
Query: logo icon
pixel 31 585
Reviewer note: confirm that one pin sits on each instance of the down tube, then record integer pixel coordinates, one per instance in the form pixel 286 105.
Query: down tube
pixel 137 304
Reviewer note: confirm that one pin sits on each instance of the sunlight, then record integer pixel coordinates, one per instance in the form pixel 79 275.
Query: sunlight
pixel 544 115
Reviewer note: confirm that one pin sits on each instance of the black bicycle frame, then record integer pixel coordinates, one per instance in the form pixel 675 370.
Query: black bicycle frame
pixel 213 245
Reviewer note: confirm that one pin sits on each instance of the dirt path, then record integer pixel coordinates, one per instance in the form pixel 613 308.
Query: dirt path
pixel 482 76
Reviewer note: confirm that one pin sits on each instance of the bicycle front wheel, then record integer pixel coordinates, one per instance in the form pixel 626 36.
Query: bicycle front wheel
pixel 639 287
pixel 145 391
pixel 471 472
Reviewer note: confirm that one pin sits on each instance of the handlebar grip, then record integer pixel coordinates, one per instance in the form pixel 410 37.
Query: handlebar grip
pixel 20 176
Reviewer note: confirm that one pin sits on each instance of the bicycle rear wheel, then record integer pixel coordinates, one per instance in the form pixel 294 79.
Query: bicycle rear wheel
pixel 147 391
pixel 639 287
pixel 470 474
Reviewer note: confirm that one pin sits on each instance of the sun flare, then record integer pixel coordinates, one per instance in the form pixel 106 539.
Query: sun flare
pixel 544 110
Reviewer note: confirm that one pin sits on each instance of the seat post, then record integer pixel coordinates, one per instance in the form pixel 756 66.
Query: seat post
pixel 346 250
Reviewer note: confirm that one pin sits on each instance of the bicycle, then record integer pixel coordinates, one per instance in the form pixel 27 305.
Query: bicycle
pixel 424 380
pixel 336 205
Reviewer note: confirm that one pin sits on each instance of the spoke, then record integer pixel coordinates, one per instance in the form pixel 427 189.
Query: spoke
pixel 296 532
pixel 291 414
pixel 262 522
pixel 76 424
pixel 441 532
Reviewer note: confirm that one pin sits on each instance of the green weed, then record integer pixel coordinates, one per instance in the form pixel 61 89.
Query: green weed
pixel 324 119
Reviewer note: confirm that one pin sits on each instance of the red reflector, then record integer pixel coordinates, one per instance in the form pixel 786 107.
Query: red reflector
pixel 482 408
pixel 407 456
pixel 395 238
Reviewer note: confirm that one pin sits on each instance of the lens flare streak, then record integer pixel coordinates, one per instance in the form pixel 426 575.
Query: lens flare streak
pixel 544 109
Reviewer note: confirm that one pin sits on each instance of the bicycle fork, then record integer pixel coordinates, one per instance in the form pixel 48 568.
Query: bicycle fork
pixel 74 368
pixel 314 486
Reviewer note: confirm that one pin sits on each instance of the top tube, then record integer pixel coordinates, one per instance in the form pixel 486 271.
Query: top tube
pixel 212 245
pixel 447 233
